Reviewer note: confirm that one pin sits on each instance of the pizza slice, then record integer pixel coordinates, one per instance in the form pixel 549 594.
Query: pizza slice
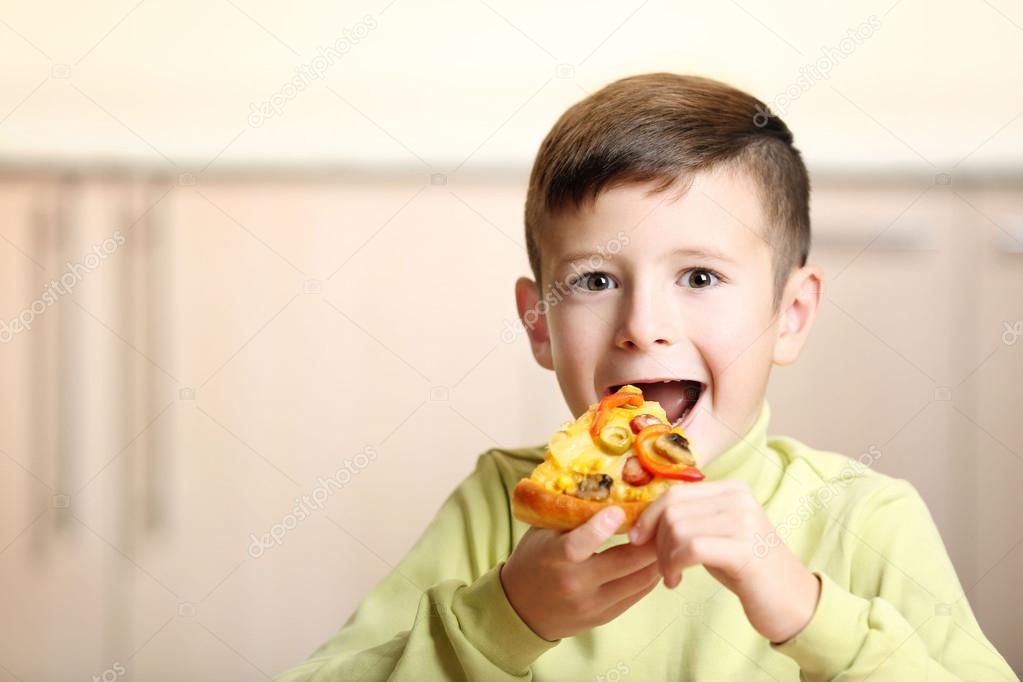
pixel 623 451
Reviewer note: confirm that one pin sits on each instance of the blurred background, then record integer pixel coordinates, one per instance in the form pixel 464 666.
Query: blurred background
pixel 255 251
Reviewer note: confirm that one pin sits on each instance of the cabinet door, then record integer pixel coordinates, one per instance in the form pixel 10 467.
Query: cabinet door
pixel 78 391
pixel 878 376
pixel 995 420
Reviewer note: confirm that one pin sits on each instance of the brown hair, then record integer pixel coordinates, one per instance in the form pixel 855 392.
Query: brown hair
pixel 665 128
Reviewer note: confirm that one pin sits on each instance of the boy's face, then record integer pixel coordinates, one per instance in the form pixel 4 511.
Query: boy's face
pixel 643 288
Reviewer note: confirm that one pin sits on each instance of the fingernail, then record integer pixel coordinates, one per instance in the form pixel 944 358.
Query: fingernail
pixel 634 534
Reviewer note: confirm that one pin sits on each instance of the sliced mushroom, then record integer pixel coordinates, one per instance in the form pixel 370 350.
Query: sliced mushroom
pixel 674 446
pixel 594 487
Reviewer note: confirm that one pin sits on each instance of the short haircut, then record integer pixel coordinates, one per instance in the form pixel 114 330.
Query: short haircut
pixel 664 128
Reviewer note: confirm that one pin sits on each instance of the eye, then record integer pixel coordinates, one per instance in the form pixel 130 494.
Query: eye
pixel 594 281
pixel 699 278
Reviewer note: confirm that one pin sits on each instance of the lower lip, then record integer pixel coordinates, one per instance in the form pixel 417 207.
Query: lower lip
pixel 691 415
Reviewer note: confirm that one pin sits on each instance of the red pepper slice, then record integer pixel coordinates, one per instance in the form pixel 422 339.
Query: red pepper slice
pixel 609 402
pixel 658 465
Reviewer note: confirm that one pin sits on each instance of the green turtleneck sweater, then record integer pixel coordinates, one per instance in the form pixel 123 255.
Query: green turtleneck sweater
pixel 891 606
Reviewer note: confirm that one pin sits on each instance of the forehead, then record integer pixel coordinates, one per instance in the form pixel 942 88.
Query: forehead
pixel 720 212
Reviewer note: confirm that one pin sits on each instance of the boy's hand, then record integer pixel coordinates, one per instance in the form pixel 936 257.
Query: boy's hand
pixel 560 588
pixel 719 524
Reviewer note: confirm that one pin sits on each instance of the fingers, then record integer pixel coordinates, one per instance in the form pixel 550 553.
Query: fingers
pixel 683 541
pixel 719 552
pixel 537 534
pixel 579 544
pixel 689 511
pixel 621 560
pixel 620 607
pixel 702 499
pixel 637 581
pixel 677 526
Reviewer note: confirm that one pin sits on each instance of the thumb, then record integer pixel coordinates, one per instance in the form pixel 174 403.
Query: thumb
pixel 582 542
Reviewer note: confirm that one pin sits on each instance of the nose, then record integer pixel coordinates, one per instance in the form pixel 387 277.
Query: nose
pixel 646 322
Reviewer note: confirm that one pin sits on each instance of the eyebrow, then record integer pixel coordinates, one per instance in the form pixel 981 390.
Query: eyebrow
pixel 583 255
pixel 704 252
pixel 692 251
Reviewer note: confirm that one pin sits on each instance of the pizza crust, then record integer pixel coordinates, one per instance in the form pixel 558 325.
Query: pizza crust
pixel 536 505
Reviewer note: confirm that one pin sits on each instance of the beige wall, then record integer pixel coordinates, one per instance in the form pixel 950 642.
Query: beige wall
pixel 316 316
pixel 454 82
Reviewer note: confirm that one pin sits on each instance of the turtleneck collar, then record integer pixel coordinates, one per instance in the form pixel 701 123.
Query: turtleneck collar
pixel 750 459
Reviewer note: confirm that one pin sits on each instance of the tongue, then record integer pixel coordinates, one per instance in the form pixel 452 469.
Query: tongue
pixel 676 397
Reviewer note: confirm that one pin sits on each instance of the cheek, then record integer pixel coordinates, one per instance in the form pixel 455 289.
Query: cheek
pixel 577 342
pixel 738 348
pixel 577 339
pixel 577 330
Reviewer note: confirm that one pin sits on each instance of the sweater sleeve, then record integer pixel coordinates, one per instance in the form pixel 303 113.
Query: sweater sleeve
pixel 904 614
pixel 442 613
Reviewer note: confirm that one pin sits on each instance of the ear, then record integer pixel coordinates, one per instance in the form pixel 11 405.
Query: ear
pixel 532 315
pixel 800 302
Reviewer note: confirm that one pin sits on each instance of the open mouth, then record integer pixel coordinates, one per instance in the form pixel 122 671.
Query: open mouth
pixel 678 397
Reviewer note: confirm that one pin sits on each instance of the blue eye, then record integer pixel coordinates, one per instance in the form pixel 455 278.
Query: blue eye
pixel 595 281
pixel 699 278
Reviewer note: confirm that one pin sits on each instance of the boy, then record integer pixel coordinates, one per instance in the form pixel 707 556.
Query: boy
pixel 667 226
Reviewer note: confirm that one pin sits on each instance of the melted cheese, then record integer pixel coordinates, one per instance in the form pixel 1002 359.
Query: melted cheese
pixel 571 454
